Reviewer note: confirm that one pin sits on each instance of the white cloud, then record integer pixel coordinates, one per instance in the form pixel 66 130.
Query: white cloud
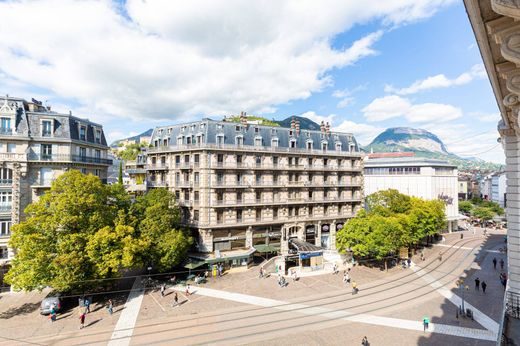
pixel 387 107
pixel 346 101
pixel 394 106
pixel 346 95
pixel 319 118
pixel 364 133
pixel 440 81
pixel 173 60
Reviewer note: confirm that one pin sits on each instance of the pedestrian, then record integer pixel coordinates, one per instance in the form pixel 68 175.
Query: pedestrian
pixel 335 268
pixel 365 342
pixel 426 323
pixel 494 263
pixel 422 256
pixel 477 284
pixel 188 290
pixel 295 275
pixel 440 256
pixel 346 278
pixel 409 262
pixel 53 312
pixel 87 305
pixel 354 288
pixel 261 275
pixel 501 263
pixel 461 235
pixel 484 285
pixel 163 288
pixel 82 320
pixel 110 307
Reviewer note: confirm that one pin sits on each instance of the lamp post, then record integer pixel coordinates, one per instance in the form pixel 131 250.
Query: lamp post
pixel 149 270
pixel 462 288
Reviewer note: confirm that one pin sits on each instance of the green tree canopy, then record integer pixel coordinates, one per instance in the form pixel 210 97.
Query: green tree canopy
pixel 81 231
pixel 465 206
pixel 130 152
pixel 394 220
pixel 483 213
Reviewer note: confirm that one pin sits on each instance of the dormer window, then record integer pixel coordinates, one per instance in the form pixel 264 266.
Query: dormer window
pixel 237 128
pixel 46 128
pixel 338 146
pixel 83 133
pixel 290 132
pixel 239 140
pixel 202 126
pixel 169 130
pixel 324 146
pixel 183 128
pixel 257 130
pixel 258 141
pixel 273 131
pixel 98 136
pixel 309 145
pixel 274 142
pixel 292 143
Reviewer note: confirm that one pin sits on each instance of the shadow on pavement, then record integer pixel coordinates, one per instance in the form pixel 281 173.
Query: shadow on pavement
pixel 26 308
pixel 489 303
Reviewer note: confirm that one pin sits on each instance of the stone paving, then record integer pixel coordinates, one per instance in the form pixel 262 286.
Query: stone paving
pixel 398 294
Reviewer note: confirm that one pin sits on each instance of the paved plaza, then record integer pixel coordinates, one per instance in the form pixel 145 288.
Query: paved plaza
pixel 241 308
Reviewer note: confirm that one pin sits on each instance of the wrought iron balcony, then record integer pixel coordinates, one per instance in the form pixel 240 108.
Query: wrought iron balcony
pixel 68 158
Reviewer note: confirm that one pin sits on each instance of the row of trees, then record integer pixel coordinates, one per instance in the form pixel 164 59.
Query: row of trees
pixel 481 209
pixel 393 221
pixel 82 231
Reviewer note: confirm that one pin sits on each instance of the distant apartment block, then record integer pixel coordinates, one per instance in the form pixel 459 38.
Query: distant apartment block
pixel 245 186
pixel 36 146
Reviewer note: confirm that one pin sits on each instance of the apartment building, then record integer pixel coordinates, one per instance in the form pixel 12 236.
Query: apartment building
pixel 245 186
pixel 36 146
pixel 136 171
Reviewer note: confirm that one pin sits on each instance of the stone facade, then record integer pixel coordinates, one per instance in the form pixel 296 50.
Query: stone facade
pixel 241 185
pixel 36 146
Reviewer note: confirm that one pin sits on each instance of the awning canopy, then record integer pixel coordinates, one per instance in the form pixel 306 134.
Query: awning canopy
pixel 303 246
pixel 194 264
pixel 266 248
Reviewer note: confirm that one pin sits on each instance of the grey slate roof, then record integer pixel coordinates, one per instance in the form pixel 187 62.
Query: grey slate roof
pixel 210 129
pixel 65 125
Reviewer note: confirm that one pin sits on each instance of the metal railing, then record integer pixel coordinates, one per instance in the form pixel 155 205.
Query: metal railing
pixel 5 207
pixel 254 148
pixel 6 131
pixel 68 158
pixel 6 182
pixel 157 166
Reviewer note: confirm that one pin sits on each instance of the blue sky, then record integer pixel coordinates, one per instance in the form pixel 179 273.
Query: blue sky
pixel 363 67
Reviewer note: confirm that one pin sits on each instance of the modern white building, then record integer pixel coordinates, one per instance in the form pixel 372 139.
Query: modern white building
pixel 415 176
pixel 498 188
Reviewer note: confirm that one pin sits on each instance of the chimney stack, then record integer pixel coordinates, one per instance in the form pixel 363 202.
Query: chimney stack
pixel 293 123
pixel 327 128
pixel 297 127
pixel 322 126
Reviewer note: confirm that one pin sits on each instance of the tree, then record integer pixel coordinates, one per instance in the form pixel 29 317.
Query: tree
pixel 465 206
pixel 120 175
pixel 388 202
pixel 158 222
pixel 483 213
pixel 130 152
pixel 51 243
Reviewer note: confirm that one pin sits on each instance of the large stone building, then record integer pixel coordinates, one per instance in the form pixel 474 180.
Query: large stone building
pixel 36 146
pixel 497 30
pixel 243 186
pixel 416 176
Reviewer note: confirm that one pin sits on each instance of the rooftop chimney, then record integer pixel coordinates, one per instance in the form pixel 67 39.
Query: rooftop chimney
pixel 322 126
pixel 327 128
pixel 297 127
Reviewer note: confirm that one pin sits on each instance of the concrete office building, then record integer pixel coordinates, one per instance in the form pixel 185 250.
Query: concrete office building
pixel 244 187
pixel 36 146
pixel 415 176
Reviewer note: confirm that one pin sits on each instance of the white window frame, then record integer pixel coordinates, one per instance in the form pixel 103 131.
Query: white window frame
pixel 274 142
pixel 44 120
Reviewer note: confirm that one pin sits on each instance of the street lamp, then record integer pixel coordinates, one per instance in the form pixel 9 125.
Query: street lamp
pixel 149 270
pixel 460 283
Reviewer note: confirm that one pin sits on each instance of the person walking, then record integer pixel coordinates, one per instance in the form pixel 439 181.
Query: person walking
pixel 87 305
pixel 261 274
pixel 53 312
pixel 188 290
pixel 354 288
pixel 440 256
pixel 426 323
pixel 501 263
pixel 175 300
pixel 294 275
pixel 365 342
pixel 110 307
pixel 409 262
pixel 82 320
pixel 495 263
pixel 163 289
pixel 477 284
pixel 346 278
pixel 484 285
pixel 335 268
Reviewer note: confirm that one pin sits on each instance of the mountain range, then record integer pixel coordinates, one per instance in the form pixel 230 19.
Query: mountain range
pixel 396 139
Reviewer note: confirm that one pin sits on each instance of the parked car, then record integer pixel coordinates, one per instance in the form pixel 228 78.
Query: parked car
pixel 47 302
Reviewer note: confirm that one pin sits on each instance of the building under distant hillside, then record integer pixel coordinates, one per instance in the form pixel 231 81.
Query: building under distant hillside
pixel 415 176
pixel 246 187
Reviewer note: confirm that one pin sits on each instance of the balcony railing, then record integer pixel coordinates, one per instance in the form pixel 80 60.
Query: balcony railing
pixel 6 182
pixel 5 131
pixel 136 171
pixel 68 158
pixel 157 166
pixel 253 148
pixel 13 157
pixel 152 183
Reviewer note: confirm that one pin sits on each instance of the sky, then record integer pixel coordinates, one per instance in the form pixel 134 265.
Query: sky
pixel 363 66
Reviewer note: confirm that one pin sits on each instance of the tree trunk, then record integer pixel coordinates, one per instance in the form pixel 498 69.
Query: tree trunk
pixel 386 265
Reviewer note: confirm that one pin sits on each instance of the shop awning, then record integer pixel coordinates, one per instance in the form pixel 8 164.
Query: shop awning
pixel 194 264
pixel 303 246
pixel 263 248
